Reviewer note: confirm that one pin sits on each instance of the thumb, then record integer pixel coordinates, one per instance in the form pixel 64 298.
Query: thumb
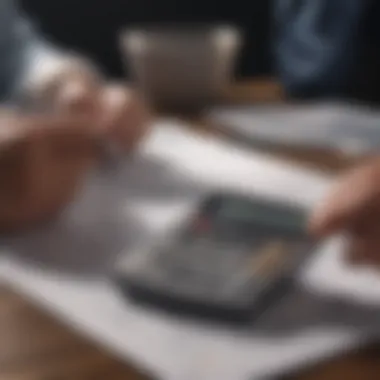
pixel 76 97
pixel 330 218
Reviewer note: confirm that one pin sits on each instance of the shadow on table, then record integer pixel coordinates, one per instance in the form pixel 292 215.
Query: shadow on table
pixel 303 310
pixel 98 227
pixel 300 311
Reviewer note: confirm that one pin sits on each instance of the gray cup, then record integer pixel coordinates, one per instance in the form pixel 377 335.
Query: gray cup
pixel 181 67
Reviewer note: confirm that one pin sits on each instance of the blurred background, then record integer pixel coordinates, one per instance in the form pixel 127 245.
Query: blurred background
pixel 104 20
pixel 93 27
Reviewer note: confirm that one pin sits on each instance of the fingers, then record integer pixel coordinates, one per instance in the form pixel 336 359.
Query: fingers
pixel 364 250
pixel 55 123
pixel 111 110
pixel 334 214
pixel 76 97
pixel 358 250
pixel 70 87
pixel 353 207
pixel 350 203
pixel 125 118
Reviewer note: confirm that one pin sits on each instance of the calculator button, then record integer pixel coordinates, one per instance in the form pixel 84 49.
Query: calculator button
pixel 193 253
pixel 182 274
pixel 196 284
pixel 210 285
pixel 269 260
pixel 201 226
pixel 212 259
pixel 236 285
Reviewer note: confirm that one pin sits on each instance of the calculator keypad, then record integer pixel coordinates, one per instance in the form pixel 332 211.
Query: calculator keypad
pixel 204 267
pixel 213 269
pixel 224 262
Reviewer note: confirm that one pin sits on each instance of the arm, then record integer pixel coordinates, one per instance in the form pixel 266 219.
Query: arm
pixel 316 44
pixel 29 62
pixel 34 72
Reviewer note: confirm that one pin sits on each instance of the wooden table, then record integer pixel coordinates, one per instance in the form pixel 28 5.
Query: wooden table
pixel 34 346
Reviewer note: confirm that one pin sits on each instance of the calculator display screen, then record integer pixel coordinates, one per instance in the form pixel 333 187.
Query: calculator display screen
pixel 246 212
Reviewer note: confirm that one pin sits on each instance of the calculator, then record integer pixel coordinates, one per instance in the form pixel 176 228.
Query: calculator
pixel 230 260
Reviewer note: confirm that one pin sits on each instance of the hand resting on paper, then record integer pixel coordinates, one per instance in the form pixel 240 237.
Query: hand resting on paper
pixel 353 208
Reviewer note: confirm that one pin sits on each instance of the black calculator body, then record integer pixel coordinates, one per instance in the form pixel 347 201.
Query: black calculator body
pixel 230 260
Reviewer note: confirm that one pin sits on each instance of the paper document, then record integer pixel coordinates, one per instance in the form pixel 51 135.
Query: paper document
pixel 350 128
pixel 65 266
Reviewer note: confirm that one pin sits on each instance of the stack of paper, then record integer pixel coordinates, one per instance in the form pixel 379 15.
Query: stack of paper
pixel 350 128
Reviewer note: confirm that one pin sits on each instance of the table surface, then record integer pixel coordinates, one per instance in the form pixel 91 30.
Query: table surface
pixel 35 346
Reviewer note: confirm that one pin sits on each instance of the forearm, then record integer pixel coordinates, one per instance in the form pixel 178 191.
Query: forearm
pixel 315 44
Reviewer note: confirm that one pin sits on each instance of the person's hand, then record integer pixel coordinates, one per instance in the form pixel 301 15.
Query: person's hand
pixel 75 87
pixel 353 208
pixel 46 152
pixel 123 116
pixel 43 160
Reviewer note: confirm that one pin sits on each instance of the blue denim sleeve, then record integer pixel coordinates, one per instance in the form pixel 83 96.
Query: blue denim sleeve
pixel 316 43
pixel 20 48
